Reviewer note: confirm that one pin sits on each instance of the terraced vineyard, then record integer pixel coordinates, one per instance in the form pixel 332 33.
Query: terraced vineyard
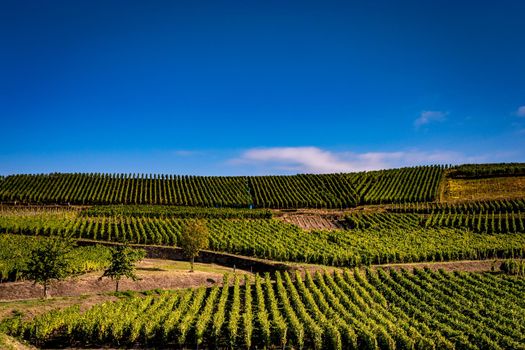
pixel 350 310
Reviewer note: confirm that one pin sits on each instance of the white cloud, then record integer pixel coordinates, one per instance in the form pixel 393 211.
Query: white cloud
pixel 520 112
pixel 310 159
pixel 427 117
pixel 186 153
pixel 316 160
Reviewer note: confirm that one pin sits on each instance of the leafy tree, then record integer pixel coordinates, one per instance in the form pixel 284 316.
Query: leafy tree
pixel 122 264
pixel 194 237
pixel 49 261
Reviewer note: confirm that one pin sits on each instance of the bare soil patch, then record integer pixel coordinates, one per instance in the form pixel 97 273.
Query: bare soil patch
pixel 323 219
pixel 10 343
pixel 313 222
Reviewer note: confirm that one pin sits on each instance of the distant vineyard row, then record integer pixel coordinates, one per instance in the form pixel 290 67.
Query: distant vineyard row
pixel 487 170
pixel 384 238
pixel 483 222
pixel 506 205
pixel 417 184
pixel 371 310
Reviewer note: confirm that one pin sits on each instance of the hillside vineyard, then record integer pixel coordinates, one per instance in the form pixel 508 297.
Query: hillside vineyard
pixel 416 184
pixel 326 249
pixel 367 238
pixel 350 310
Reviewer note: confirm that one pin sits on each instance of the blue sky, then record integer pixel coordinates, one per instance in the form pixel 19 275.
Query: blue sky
pixel 259 87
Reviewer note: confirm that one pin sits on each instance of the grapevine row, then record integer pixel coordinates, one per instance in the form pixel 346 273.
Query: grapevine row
pixel 417 184
pixel 487 170
pixel 349 310
pixel 487 222
pixel 303 191
pixel 205 191
pixel 505 205
pixel 277 240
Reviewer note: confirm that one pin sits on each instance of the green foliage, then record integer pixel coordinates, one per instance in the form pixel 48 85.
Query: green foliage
pixel 15 252
pixel 295 191
pixel 513 267
pixel 158 211
pixel 49 261
pixel 485 222
pixel 193 239
pixel 207 191
pixel 341 310
pixel 122 263
pixel 504 206
pixel 487 170
pixel 415 184
pixel 387 238
pixel 303 191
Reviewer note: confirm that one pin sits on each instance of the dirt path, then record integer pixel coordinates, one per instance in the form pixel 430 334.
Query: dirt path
pixel 153 273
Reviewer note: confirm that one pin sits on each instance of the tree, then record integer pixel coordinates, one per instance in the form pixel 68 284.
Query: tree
pixel 123 259
pixel 194 237
pixel 49 261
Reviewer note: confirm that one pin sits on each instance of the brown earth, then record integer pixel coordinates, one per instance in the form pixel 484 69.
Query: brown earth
pixel 10 343
pixel 322 219
pixel 312 222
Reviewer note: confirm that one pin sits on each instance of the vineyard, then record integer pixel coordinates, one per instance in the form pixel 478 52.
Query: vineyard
pixel 462 208
pixel 304 226
pixel 369 239
pixel 14 251
pixel 482 222
pixel 296 191
pixel 483 189
pixel 349 310
pixel 487 170
pixel 487 222
pixel 126 189
pixel 303 191
pixel 158 211
pixel 418 184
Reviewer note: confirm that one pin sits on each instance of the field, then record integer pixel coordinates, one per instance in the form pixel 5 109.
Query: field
pixel 412 258
pixel 350 310
pixel 494 188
